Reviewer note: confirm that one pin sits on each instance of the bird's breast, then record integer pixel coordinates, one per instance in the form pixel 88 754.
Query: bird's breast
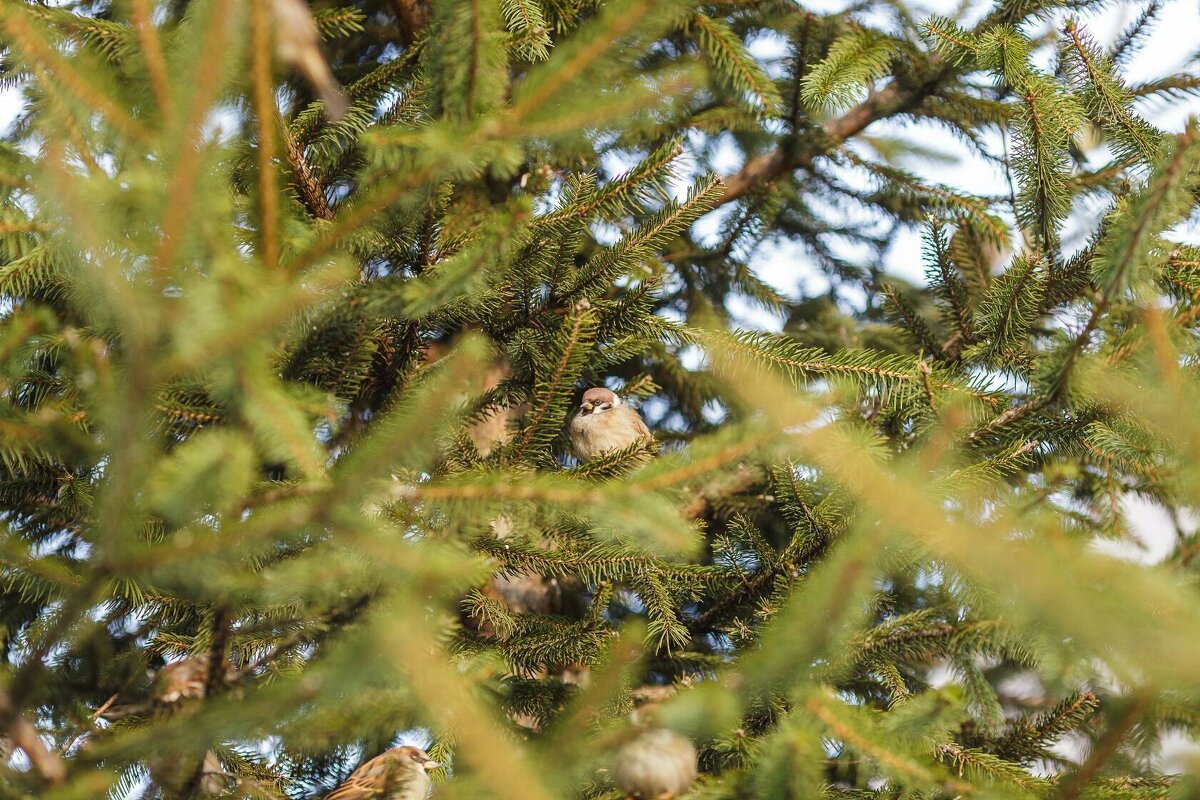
pixel 594 434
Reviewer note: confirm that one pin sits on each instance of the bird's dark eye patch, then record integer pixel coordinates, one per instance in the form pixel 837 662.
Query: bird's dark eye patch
pixel 606 406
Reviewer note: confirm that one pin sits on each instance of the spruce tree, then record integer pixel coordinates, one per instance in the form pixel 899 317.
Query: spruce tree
pixel 296 311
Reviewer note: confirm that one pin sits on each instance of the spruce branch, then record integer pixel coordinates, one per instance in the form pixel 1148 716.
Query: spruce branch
pixel 1108 99
pixel 739 69
pixel 834 510
pixel 1029 738
pixel 54 71
pixel 889 101
pixel 1130 40
pixel 307 185
pixel 151 48
pixel 1105 749
pixel 551 392
pixel 944 277
pixel 186 168
pixel 854 60
pixel 568 65
pixel 266 119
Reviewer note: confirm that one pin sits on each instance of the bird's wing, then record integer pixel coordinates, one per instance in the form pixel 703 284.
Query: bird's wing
pixel 641 425
pixel 379 777
pixel 635 419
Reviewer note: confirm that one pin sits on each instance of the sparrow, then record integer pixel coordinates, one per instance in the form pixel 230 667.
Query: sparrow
pixel 397 774
pixel 657 764
pixel 184 679
pixel 175 683
pixel 604 424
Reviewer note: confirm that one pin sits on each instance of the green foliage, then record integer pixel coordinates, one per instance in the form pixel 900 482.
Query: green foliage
pixel 291 395
pixel 853 60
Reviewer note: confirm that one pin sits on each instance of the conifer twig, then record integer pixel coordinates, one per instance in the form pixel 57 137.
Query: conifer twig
pixel 187 164
pixel 266 116
pixel 890 100
pixel 1105 749
pixel 47 763
pixel 139 12
pixel 55 70
pixel 306 183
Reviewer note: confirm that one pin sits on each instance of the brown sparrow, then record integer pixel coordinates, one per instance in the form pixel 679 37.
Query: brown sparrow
pixel 604 424
pixel 175 683
pixel 185 679
pixel 657 763
pixel 398 774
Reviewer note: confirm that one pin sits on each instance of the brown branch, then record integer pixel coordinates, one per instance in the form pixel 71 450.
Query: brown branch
pixel 99 712
pixel 213 681
pixel 266 116
pixel 306 183
pixel 1105 749
pixel 47 763
pixel 140 15
pixel 888 101
pixel 22 734
pixel 1013 414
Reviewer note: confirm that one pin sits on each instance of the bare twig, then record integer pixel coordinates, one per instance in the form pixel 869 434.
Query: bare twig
pixel 47 763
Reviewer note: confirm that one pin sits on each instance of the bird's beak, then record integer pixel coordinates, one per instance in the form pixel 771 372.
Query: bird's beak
pixel 586 406
pixel 430 765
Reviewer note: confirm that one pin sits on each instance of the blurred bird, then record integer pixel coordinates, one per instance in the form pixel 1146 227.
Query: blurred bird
pixel 184 679
pixel 656 765
pixel 181 680
pixel 604 424
pixel 173 770
pixel 298 43
pixel 398 774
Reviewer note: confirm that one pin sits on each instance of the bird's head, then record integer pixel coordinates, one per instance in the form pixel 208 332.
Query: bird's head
pixel 598 400
pixel 416 758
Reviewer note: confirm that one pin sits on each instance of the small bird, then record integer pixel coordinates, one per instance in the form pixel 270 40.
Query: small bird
pixel 181 680
pixel 173 770
pixel 604 424
pixel 656 765
pixel 185 679
pixel 401 773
